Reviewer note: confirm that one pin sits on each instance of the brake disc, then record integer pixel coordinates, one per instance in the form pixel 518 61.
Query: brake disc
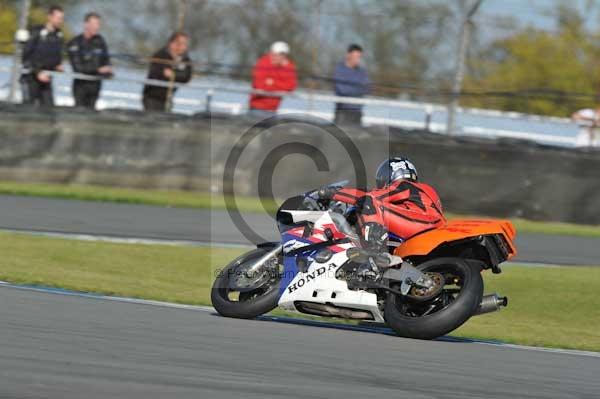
pixel 242 280
pixel 427 292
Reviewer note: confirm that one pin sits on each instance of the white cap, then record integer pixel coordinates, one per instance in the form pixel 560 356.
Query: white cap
pixel 280 48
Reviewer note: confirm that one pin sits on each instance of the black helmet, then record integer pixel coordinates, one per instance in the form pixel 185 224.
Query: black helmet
pixel 393 169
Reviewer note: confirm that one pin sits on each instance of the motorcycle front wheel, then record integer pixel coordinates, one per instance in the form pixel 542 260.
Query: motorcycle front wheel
pixel 235 294
pixel 448 305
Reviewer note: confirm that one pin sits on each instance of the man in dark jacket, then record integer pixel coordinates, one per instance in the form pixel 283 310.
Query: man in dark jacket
pixel 351 80
pixel 170 64
pixel 41 53
pixel 88 54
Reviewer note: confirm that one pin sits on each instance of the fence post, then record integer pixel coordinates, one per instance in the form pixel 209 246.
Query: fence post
pixel 15 72
pixel 316 36
pixel 465 38
pixel 181 10
pixel 428 115
pixel 209 96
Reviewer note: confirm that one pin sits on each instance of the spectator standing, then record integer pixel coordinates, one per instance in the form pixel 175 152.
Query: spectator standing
pixel 169 64
pixel 41 53
pixel 88 54
pixel 274 72
pixel 351 80
pixel 588 120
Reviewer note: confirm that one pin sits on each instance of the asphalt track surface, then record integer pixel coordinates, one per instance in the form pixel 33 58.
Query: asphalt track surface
pixel 209 226
pixel 57 346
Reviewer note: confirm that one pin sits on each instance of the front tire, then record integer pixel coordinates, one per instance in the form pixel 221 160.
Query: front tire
pixel 402 313
pixel 249 304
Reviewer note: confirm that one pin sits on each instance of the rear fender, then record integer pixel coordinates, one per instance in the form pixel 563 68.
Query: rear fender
pixel 497 236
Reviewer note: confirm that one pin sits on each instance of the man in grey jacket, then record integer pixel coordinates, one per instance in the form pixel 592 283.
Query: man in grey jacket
pixel 351 80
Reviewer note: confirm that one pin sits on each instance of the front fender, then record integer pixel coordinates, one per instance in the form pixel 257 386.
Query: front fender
pixel 268 245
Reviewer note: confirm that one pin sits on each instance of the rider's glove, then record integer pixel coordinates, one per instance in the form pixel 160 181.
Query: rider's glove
pixel 375 236
pixel 327 193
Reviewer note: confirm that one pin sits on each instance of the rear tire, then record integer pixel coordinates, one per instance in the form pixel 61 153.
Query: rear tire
pixel 242 309
pixel 447 319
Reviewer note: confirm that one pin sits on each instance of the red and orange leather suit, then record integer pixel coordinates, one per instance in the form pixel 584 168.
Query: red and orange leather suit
pixel 404 208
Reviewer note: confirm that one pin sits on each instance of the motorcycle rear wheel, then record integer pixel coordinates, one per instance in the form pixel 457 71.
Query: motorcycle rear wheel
pixel 446 312
pixel 249 303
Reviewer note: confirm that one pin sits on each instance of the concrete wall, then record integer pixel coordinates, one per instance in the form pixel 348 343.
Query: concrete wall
pixel 131 149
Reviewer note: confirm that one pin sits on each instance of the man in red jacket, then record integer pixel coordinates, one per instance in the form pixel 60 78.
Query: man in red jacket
pixel 273 72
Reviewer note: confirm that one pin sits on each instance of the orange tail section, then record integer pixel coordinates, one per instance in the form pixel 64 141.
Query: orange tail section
pixel 425 243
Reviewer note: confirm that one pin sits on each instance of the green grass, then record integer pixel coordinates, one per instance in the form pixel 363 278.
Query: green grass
pixel 167 273
pixel 552 307
pixel 555 228
pixel 178 198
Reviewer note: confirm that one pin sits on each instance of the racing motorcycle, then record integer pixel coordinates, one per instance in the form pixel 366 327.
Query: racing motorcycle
pixel 423 288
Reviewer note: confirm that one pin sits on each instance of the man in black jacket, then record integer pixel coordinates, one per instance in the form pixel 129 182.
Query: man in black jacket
pixel 88 54
pixel 42 52
pixel 170 64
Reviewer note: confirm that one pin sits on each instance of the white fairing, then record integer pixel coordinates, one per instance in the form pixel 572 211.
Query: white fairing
pixel 319 285
pixel 309 216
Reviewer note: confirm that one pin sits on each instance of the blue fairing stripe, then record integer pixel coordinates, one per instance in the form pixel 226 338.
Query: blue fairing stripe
pixel 290 270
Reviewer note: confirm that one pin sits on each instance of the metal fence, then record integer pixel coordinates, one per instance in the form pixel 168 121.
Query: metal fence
pixel 222 95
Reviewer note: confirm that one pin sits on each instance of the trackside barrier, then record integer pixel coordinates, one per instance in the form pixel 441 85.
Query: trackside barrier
pixel 155 150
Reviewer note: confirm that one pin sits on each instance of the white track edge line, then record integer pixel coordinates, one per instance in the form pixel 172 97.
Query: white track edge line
pixel 209 309
pixel 108 297
pixel 125 240
pixel 180 243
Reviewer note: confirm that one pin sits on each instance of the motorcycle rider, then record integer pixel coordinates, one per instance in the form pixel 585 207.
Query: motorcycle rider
pixel 399 207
